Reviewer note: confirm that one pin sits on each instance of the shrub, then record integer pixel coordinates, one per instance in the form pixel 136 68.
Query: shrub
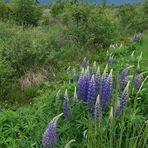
pixel 27 12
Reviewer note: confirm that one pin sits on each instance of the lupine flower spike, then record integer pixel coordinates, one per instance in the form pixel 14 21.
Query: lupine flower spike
pixel 137 81
pixel 94 69
pixel 92 93
pixel 97 111
pixel 104 87
pixel 122 100
pixel 66 106
pixel 75 95
pixel 110 86
pixel 85 63
pixel 97 78
pixel 50 136
pixel 124 78
pixel 57 97
pixel 69 143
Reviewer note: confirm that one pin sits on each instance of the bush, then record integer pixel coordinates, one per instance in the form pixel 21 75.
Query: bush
pixel 27 12
pixel 88 27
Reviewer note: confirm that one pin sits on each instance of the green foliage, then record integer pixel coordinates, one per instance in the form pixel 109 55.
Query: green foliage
pixel 88 27
pixel 27 12
pixel 5 11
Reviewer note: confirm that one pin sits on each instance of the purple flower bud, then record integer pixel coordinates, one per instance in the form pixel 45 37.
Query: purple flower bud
pixel 74 77
pixel 122 100
pixel 50 136
pixel 92 93
pixel 66 106
pixel 97 111
pixel 137 81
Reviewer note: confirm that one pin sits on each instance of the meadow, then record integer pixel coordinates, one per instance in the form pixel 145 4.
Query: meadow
pixel 73 75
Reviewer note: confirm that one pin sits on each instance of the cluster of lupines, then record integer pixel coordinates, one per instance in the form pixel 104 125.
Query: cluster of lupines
pixel 50 136
pixel 66 106
pixel 122 100
pixel 90 88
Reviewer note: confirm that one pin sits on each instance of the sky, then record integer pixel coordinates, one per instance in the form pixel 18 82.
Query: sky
pixel 109 1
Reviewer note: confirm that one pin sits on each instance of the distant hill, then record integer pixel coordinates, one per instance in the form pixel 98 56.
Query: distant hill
pixel 96 1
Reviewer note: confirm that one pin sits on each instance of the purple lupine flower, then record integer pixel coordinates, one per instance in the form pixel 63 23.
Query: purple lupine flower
pixel 83 85
pixel 74 77
pixel 92 93
pixel 124 78
pixel 110 86
pixel 122 100
pixel 97 78
pixel 75 95
pixel 137 81
pixel 111 61
pixel 66 106
pixel 94 69
pixel 85 63
pixel 104 88
pixel 50 136
pixel 97 111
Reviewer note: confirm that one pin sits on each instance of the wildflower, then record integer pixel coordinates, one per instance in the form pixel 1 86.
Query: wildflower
pixel 97 78
pixel 85 63
pixel 110 86
pixel 122 100
pixel 66 106
pixel 97 111
pixel 94 69
pixel 68 70
pixel 57 97
pixel 139 36
pixel 92 93
pixel 111 60
pixel 124 78
pixel 74 77
pixel 50 136
pixel 75 95
pixel 135 36
pixel 137 81
pixel 104 87
pixel 140 57
pixel 83 84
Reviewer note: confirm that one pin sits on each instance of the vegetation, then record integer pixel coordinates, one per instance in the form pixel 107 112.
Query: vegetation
pixel 53 94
